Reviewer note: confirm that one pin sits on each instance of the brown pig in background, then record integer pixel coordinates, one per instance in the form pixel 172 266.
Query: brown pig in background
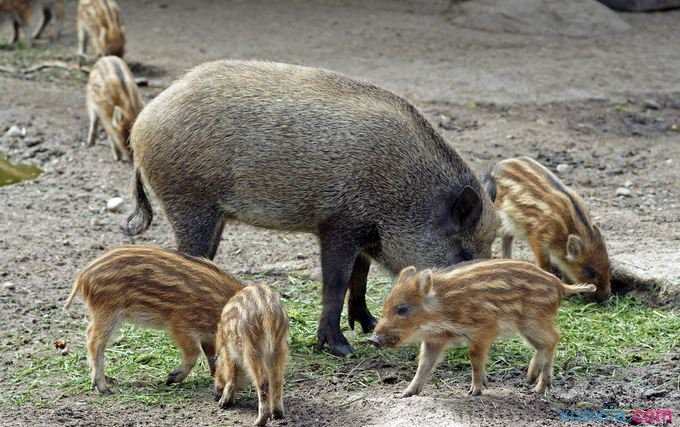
pixel 308 150
pixel 113 99
pixel 99 25
pixel 156 288
pixel 533 204
pixel 473 304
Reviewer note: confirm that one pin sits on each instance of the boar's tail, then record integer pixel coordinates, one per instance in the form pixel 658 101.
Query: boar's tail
pixel 74 292
pixel 140 219
pixel 579 288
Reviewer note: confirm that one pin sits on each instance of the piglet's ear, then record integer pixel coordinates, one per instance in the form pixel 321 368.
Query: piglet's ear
pixel 575 247
pixel 425 282
pixel 407 273
pixel 466 210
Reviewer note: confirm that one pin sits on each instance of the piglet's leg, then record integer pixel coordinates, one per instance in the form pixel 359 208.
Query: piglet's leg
pixel 507 245
pixel 229 372
pixel 479 352
pixel 256 371
pixel 208 347
pixel 190 351
pixel 99 332
pixel 430 355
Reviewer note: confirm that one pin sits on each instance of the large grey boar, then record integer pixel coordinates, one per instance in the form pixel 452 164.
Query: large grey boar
pixel 308 150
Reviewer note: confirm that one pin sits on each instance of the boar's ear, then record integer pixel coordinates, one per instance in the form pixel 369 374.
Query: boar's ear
pixel 117 118
pixel 574 247
pixel 425 282
pixel 406 273
pixel 466 210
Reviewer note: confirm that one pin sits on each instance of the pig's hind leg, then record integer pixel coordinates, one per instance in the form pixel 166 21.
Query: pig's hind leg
pixel 430 355
pixel 479 353
pixel 544 340
pixel 190 348
pixel 356 303
pixel 99 332
pixel 198 228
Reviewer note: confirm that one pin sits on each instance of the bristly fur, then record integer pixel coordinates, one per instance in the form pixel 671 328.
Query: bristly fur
pixel 252 340
pixel 158 288
pixel 535 205
pixel 474 304
pixel 304 149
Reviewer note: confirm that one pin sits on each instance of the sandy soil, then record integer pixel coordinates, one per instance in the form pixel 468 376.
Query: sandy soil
pixel 609 107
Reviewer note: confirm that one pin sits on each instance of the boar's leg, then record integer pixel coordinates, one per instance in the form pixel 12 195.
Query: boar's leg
pixel 190 349
pixel 198 229
pixel 356 303
pixel 15 32
pixel 430 355
pixel 276 374
pixel 338 254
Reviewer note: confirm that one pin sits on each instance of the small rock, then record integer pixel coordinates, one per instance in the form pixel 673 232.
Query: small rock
pixel 628 184
pixel 114 204
pixel 652 393
pixel 15 132
pixel 669 161
pixel 8 286
pixel 31 142
pixel 624 192
pixel 563 168
pixel 585 405
pixel 651 104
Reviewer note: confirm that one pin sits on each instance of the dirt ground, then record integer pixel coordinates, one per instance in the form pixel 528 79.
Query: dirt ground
pixel 608 107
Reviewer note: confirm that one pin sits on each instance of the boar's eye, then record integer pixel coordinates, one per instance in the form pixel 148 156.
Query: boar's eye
pixel 402 309
pixel 589 273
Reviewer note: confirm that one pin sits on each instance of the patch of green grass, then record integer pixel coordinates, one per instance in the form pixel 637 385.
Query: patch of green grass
pixel 622 333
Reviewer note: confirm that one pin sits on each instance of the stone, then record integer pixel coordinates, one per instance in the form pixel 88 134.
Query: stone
pixel 16 132
pixel 574 18
pixel 8 286
pixel 651 104
pixel 624 192
pixel 114 204
pixel 563 168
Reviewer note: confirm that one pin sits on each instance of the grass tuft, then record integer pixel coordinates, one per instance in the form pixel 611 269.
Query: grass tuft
pixel 622 333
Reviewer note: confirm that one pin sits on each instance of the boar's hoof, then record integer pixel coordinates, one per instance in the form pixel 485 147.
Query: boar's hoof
pixel 336 342
pixel 364 317
pixel 104 389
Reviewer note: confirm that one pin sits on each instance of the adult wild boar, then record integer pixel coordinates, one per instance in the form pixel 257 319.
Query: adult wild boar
pixel 308 150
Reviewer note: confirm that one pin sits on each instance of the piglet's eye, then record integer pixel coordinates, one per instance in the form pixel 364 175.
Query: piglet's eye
pixel 402 310
pixel 589 273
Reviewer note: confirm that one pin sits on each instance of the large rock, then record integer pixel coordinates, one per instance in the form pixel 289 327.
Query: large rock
pixel 654 276
pixel 641 5
pixel 575 18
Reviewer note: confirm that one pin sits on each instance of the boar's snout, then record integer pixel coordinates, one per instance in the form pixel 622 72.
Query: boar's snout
pixel 383 340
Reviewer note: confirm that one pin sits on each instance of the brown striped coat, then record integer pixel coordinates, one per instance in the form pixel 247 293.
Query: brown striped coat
pixel 156 288
pixel 99 24
pixel 113 99
pixel 252 340
pixel 474 304
pixel 535 205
